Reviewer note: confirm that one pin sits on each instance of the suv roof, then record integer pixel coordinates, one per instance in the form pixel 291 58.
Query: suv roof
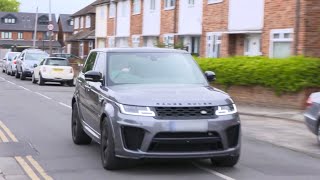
pixel 143 49
pixel 33 50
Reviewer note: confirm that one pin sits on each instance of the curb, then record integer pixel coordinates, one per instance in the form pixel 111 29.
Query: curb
pixel 270 116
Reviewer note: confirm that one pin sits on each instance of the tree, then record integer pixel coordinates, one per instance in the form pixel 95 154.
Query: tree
pixel 9 5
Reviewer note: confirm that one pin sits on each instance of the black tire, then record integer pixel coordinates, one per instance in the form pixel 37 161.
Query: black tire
pixel 3 71
pixel 34 81
pixel 227 161
pixel 12 73
pixel 17 74
pixel 70 83
pixel 108 157
pixel 22 76
pixel 8 73
pixel 41 80
pixel 79 137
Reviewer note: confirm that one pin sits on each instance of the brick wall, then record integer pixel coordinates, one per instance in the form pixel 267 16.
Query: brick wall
pixel 215 19
pixel 136 23
pixel 110 26
pixel 277 15
pixel 235 45
pixel 169 19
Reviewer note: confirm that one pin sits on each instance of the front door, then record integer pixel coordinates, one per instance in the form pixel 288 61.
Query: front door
pixel 252 45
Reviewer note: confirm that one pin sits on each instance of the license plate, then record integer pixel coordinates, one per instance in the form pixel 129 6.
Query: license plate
pixel 57 70
pixel 188 126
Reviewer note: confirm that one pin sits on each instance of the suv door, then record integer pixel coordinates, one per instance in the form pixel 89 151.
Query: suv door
pixel 83 87
pixel 19 62
pixel 95 95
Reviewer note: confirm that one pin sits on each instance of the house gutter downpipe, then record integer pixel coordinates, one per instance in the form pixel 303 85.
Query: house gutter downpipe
pixel 297 27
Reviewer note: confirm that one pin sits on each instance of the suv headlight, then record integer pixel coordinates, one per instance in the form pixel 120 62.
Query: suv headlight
pixel 226 110
pixel 136 110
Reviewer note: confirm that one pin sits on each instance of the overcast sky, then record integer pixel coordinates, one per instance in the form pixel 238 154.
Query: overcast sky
pixel 58 6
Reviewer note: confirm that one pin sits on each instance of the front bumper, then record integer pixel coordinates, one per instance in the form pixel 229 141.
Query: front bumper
pixel 189 145
pixel 57 78
pixel 27 73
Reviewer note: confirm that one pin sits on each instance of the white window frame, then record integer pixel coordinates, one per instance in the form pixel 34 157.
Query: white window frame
pixel 76 23
pixel 111 41
pixel 167 5
pixel 81 22
pixel 168 40
pixel 281 38
pixel 9 21
pixel 214 1
pixel 20 35
pixel 112 10
pixel 88 21
pixel 135 40
pixel 191 3
pixel 136 7
pixel 71 23
pixel 81 49
pixel 6 35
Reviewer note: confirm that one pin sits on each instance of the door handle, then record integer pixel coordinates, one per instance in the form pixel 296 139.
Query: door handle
pixel 88 87
pixel 100 98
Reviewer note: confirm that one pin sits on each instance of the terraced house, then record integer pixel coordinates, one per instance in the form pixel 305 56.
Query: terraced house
pixel 212 28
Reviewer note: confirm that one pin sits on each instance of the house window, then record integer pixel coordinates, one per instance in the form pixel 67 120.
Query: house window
pixel 6 35
pixel 20 35
pixel 43 20
pixel 152 5
pixel 90 45
pixel 88 21
pixel 281 41
pixel 102 12
pixel 169 4
pixel 214 1
pixel 111 42
pixel 9 20
pixel 81 22
pixel 76 23
pixel 136 6
pixel 45 36
pixel 71 22
pixel 81 50
pixel 168 40
pixel 191 2
pixel 123 9
pixel 135 41
pixel 112 10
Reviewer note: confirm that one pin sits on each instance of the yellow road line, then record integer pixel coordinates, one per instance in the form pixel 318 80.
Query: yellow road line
pixel 7 130
pixel 3 137
pixel 27 168
pixel 37 166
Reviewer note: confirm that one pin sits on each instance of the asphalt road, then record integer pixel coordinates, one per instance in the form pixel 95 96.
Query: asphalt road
pixel 39 117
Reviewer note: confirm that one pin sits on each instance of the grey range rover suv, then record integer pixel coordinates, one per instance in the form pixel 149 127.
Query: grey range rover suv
pixel 142 103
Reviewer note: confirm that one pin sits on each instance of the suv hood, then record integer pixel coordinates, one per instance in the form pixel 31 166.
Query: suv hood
pixel 156 95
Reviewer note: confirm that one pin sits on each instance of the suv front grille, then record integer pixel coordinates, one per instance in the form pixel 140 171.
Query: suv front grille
pixel 186 142
pixel 185 112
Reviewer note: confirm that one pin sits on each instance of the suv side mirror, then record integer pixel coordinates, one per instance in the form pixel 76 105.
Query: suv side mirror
pixel 93 76
pixel 211 76
pixel 35 65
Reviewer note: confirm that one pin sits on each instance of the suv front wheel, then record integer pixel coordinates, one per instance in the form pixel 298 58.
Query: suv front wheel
pixel 108 157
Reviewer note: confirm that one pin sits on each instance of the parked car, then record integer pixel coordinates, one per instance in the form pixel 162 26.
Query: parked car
pixel 153 103
pixel 12 66
pixel 53 69
pixel 7 59
pixel 27 60
pixel 312 114
pixel 75 61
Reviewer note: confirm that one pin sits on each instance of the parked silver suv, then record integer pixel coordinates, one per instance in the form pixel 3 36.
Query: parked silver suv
pixel 153 103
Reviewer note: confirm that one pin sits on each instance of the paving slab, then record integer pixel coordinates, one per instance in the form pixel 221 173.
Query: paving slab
pixel 9 166
pixel 17 177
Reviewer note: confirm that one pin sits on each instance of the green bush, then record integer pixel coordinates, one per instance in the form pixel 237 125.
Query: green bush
pixel 282 75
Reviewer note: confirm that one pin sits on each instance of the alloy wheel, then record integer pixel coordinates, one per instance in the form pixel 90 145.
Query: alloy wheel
pixel 104 145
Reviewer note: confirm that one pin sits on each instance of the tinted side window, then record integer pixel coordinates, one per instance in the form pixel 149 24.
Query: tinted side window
pixel 90 62
pixel 100 65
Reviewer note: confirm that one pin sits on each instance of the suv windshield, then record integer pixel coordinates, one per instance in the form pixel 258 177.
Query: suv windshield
pixel 57 62
pixel 35 56
pixel 153 68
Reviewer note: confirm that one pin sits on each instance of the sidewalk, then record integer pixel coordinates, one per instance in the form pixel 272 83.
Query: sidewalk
pixel 271 112
pixel 11 170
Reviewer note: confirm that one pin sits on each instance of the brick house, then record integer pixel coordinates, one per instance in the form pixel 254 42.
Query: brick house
pixel 17 30
pixel 83 38
pixel 65 24
pixel 217 28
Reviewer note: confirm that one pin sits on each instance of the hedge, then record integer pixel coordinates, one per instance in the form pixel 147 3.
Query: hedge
pixel 282 75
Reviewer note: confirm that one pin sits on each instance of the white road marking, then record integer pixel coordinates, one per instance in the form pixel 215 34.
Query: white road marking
pixel 24 88
pixel 11 82
pixel 213 172
pixel 43 95
pixel 65 105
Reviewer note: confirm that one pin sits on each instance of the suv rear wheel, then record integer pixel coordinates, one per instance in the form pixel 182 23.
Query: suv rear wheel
pixel 108 157
pixel 79 137
pixel 227 161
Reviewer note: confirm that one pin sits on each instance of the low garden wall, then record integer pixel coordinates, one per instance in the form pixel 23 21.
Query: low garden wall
pixel 264 81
